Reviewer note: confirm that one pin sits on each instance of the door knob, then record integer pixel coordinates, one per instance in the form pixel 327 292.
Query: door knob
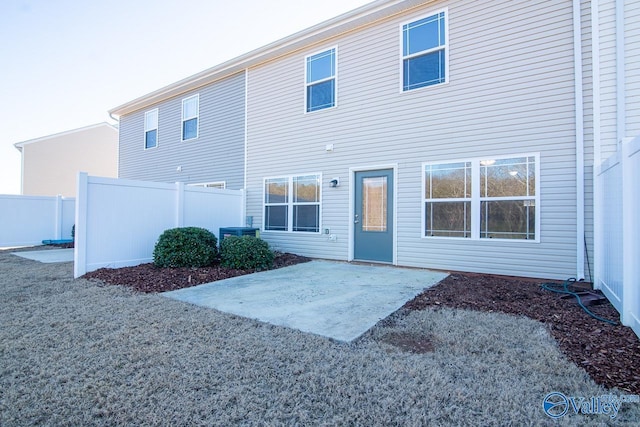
pixel 356 219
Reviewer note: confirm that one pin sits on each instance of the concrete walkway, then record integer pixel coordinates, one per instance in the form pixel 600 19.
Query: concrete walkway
pixel 47 256
pixel 332 299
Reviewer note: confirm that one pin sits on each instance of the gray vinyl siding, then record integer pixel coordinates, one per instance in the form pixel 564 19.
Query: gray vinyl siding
pixel 216 155
pixel 608 107
pixel 632 72
pixel 510 91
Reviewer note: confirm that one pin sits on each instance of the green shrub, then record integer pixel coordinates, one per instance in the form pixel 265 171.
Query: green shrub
pixel 246 253
pixel 185 247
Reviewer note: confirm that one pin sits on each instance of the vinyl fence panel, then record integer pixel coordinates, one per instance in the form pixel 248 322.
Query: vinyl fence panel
pixel 617 232
pixel 118 221
pixel 28 220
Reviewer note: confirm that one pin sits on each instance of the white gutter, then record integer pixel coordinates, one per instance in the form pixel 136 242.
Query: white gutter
pixel 597 150
pixel 620 76
pixel 246 140
pixel 579 102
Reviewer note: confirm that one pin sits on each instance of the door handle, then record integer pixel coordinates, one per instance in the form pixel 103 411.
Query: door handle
pixel 356 219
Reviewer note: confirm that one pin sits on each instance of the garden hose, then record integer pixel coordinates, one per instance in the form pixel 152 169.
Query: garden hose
pixel 564 289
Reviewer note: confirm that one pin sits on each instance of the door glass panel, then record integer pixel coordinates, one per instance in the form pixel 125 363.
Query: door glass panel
pixel 374 204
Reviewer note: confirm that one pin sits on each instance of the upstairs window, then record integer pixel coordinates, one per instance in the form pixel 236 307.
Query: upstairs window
pixel 151 129
pixel 321 80
pixel 424 52
pixel 190 112
pixel 292 203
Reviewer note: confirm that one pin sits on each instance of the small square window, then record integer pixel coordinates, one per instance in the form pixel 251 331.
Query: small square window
pixel 292 203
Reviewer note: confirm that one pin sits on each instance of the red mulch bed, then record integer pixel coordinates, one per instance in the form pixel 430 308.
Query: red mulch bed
pixel 610 354
pixel 150 279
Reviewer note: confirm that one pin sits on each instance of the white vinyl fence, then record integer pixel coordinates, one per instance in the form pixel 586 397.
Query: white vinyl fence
pixel 118 221
pixel 617 232
pixel 28 220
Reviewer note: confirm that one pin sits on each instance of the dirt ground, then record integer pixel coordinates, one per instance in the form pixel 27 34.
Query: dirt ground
pixel 610 354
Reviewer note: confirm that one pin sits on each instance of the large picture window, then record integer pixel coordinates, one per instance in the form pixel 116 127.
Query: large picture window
pixel 494 198
pixel 321 80
pixel 292 203
pixel 151 129
pixel 424 52
pixel 190 113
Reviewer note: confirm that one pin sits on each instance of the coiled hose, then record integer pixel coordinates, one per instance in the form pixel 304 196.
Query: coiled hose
pixel 564 289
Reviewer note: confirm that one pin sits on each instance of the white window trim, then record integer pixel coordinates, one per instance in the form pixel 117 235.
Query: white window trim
pixel 184 119
pixel 445 47
pixel 476 198
pixel 150 129
pixel 335 78
pixel 290 203
pixel 222 185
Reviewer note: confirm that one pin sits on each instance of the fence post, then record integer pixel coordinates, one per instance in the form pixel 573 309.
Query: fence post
pixel 179 204
pixel 57 230
pixel 243 208
pixel 631 300
pixel 80 246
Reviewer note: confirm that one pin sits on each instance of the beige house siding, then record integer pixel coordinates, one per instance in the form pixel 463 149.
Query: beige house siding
pixel 50 164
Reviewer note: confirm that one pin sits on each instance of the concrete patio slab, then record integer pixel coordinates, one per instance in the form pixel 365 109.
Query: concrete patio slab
pixel 47 256
pixel 333 299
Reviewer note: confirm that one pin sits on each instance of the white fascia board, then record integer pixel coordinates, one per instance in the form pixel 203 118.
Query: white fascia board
pixel 19 145
pixel 347 22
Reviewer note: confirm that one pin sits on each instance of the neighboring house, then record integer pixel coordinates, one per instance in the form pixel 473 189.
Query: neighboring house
pixel 455 135
pixel 50 164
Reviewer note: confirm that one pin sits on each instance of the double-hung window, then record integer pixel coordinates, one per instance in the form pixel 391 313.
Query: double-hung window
pixel 508 198
pixel 424 52
pixel 292 203
pixel 190 113
pixel 448 199
pixel 151 129
pixel 321 80
pixel 494 198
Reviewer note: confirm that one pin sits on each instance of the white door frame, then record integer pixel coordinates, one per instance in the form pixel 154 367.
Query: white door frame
pixel 352 194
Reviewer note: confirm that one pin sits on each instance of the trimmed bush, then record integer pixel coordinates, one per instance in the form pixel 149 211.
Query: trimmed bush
pixel 185 247
pixel 246 253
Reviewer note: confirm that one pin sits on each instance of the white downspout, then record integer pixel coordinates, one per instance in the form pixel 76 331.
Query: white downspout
pixel 597 150
pixel 620 76
pixel 579 103
pixel 246 148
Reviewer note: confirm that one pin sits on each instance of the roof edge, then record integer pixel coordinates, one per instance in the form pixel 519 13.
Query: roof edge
pixel 21 144
pixel 348 21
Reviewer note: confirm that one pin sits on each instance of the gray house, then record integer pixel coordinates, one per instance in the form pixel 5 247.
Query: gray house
pixel 454 135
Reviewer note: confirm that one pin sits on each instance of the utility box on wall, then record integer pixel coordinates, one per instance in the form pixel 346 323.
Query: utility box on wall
pixel 238 231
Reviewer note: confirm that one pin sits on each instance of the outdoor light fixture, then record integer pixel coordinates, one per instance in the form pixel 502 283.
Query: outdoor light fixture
pixel 335 182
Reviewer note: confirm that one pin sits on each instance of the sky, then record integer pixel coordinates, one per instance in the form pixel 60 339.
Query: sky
pixel 65 63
